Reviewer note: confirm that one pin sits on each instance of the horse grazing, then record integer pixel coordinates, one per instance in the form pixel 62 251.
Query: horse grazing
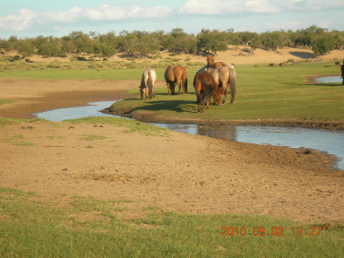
pixel 173 75
pixel 271 65
pixel 282 64
pixel 336 63
pixel 342 70
pixel 211 63
pixel 223 76
pixel 205 87
pixel 147 82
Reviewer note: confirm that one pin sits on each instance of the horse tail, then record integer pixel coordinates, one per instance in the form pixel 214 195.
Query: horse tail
pixel 208 90
pixel 142 86
pixel 232 84
pixel 185 81
pixel 150 83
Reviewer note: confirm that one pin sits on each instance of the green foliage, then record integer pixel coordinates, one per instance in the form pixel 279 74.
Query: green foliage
pixel 26 48
pixel 322 45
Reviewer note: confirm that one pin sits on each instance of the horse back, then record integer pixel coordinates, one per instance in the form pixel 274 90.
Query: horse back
pixel 169 74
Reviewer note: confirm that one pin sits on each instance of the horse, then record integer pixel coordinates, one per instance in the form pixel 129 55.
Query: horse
pixel 173 75
pixel 211 63
pixel 282 64
pixel 271 65
pixel 223 76
pixel 342 70
pixel 336 63
pixel 205 87
pixel 147 82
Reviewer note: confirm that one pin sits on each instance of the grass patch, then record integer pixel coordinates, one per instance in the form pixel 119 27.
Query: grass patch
pixel 279 93
pixel 93 137
pixel 131 125
pixel 18 140
pixel 88 227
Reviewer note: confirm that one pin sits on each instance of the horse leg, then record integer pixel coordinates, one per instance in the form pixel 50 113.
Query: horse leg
pixel 179 85
pixel 173 90
pixel 224 95
pixel 169 88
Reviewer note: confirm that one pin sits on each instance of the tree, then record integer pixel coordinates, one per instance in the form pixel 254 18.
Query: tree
pixel 212 41
pixel 26 48
pixel 323 45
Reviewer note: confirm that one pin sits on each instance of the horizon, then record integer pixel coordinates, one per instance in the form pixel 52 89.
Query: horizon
pixel 25 19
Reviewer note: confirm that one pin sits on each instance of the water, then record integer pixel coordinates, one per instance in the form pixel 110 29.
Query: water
pixel 92 109
pixel 331 142
pixel 329 79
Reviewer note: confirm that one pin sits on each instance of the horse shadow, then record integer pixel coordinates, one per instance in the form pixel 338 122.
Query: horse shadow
pixel 179 106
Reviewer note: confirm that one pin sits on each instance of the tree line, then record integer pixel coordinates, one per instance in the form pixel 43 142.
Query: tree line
pixel 143 43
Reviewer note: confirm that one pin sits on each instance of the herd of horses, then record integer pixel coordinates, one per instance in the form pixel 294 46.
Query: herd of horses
pixel 212 80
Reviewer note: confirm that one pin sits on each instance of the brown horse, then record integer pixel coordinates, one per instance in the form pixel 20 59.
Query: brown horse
pixel 282 64
pixel 205 87
pixel 271 65
pixel 147 82
pixel 336 63
pixel 342 70
pixel 223 76
pixel 173 75
pixel 211 63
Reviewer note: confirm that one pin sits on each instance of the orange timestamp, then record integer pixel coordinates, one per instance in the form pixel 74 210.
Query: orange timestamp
pixel 274 231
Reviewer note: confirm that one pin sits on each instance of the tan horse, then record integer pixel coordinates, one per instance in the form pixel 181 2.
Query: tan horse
pixel 211 63
pixel 173 75
pixel 147 82
pixel 205 87
pixel 223 76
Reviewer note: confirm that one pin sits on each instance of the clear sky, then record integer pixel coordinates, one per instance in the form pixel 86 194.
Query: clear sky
pixel 32 18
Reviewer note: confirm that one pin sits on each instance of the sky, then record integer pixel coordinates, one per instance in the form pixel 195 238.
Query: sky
pixel 32 18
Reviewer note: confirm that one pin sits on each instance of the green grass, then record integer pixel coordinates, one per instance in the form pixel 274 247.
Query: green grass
pixel 110 74
pixel 262 93
pixel 88 227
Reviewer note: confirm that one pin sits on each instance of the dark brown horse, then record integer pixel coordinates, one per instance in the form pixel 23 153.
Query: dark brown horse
pixel 336 63
pixel 173 75
pixel 282 64
pixel 211 63
pixel 271 65
pixel 342 70
pixel 205 87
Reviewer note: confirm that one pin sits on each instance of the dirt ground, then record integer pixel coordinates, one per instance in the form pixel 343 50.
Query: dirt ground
pixel 186 173
pixel 179 172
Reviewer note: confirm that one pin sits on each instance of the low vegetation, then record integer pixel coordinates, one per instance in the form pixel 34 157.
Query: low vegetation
pixel 85 227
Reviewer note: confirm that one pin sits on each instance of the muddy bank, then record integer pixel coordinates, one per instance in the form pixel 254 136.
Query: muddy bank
pixel 151 117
